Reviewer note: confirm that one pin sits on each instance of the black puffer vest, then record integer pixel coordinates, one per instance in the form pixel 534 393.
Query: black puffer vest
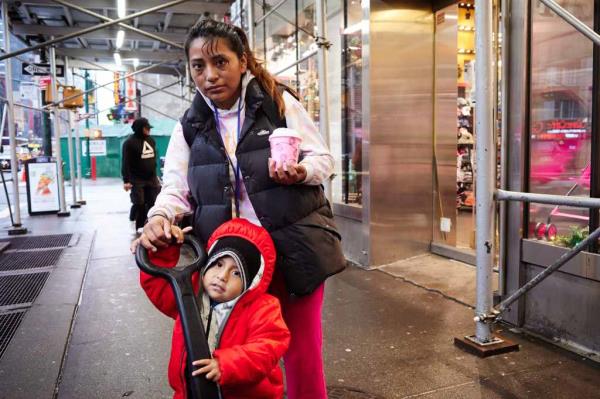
pixel 298 217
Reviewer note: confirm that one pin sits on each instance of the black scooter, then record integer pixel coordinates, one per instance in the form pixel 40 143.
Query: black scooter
pixel 180 279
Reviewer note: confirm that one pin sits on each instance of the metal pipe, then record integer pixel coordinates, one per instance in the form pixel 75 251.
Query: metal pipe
pixel 4 109
pixel 307 56
pixel 502 306
pixel 57 102
pixel 251 24
pixel 137 80
pixel 188 80
pixel 92 29
pixel 486 168
pixel 323 47
pixel 579 202
pixel 74 203
pixel 122 25
pixel 78 160
pixel 572 20
pixel 271 11
pixel 61 181
pixel 143 95
pixel 505 6
pixel 14 166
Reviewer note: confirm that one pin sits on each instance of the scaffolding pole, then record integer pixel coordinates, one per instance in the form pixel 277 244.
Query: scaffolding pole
pixel 14 163
pixel 251 25
pixel 55 115
pixel 57 102
pixel 572 20
pixel 323 46
pixel 136 80
pixel 122 25
pixel 143 95
pixel 80 200
pixel 74 203
pixel 485 179
pixel 91 29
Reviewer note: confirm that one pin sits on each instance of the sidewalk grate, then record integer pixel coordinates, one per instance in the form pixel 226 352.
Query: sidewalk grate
pixel 8 326
pixel 337 392
pixel 21 288
pixel 29 260
pixel 37 242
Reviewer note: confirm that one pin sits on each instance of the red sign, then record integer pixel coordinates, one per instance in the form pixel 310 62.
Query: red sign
pixel 45 82
pixel 546 130
pixel 130 104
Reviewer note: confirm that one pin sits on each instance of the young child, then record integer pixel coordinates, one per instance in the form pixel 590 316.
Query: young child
pixel 245 330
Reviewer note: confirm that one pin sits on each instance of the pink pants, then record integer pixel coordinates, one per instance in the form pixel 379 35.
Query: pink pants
pixel 303 361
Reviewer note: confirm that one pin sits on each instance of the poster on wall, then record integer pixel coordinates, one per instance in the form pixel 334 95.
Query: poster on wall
pixel 42 186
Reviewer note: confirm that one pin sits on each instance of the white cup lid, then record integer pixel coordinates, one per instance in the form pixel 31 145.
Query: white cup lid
pixel 285 132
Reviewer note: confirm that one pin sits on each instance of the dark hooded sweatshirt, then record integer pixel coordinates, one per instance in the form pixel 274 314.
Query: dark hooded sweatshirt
pixel 139 158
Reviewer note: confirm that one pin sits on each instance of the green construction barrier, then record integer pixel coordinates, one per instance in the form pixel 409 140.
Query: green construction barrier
pixel 109 153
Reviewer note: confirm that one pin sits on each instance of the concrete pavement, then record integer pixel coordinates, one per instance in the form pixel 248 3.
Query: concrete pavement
pixel 384 337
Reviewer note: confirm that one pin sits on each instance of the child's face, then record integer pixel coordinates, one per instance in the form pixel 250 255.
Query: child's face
pixel 223 281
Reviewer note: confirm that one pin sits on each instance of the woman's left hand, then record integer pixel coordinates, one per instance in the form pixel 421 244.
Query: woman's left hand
pixel 292 174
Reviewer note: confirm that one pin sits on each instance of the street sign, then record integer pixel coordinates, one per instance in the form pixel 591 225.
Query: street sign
pixel 41 70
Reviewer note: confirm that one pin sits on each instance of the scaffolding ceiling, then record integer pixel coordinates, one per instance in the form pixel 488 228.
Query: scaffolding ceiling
pixel 37 21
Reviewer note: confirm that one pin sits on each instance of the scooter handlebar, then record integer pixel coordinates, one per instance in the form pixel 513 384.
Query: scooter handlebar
pixel 143 259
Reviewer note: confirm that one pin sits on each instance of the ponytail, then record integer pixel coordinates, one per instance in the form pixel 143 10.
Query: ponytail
pixel 267 81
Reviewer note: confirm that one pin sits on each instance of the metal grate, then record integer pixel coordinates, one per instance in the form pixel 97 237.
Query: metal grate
pixel 338 392
pixel 29 260
pixel 36 242
pixel 8 326
pixel 21 288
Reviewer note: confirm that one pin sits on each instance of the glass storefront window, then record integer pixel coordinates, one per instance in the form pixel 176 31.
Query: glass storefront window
pixel 352 104
pixel 560 123
pixel 308 87
pixel 280 34
pixel 307 25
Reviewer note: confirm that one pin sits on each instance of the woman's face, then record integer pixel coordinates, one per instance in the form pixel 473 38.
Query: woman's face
pixel 216 70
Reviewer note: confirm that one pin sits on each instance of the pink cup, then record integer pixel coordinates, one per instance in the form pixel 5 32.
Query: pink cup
pixel 285 147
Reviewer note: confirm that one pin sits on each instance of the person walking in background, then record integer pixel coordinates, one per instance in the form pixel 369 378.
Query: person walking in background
pixel 139 170
pixel 218 165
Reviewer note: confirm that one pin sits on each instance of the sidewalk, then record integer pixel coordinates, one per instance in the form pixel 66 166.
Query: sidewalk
pixel 386 335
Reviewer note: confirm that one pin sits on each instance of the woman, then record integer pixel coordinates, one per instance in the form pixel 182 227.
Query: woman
pixel 218 167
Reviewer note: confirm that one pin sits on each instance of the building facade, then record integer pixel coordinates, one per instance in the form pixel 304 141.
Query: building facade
pixel 401 79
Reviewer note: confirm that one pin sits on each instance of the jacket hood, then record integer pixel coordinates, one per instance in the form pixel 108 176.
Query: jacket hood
pixel 260 238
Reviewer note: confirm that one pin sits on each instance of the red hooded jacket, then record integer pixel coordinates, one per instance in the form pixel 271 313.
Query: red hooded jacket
pixel 254 338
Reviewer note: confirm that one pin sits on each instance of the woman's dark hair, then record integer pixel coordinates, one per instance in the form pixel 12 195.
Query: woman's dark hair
pixel 212 30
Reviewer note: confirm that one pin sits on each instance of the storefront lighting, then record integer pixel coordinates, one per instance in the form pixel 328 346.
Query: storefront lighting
pixel 136 62
pixel 121 9
pixel 117 59
pixel 357 27
pixel 120 38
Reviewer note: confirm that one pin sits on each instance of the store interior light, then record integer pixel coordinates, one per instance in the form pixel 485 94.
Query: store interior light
pixel 136 62
pixel 121 9
pixel 120 38
pixel 357 27
pixel 117 59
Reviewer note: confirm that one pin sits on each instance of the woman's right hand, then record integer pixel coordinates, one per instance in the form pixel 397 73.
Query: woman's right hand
pixel 156 234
